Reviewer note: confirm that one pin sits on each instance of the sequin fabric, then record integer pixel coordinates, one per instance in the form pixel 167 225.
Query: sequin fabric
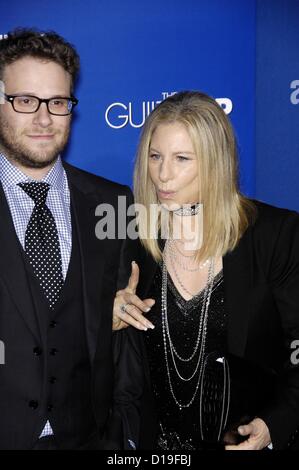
pixel 180 429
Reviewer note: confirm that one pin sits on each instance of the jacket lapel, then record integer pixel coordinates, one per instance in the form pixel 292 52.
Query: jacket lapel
pixel 237 272
pixel 92 260
pixel 13 270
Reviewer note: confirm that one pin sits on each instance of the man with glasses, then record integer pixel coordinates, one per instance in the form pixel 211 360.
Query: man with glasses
pixel 57 280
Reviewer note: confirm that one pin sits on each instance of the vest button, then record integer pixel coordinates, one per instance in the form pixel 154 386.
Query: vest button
pixel 53 380
pixel 33 404
pixel 53 324
pixel 50 407
pixel 37 351
pixel 53 351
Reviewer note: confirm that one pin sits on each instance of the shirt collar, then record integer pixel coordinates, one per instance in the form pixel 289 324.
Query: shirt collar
pixel 10 175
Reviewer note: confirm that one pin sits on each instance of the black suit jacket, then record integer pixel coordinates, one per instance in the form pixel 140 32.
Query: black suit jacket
pixel 105 268
pixel 261 281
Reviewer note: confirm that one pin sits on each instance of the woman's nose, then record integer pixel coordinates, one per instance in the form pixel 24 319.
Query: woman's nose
pixel 166 171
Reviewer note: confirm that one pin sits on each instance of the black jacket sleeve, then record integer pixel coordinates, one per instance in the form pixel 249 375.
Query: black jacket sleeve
pixel 282 414
pixel 124 423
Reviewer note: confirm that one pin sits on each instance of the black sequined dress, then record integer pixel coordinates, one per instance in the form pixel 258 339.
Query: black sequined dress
pixel 180 428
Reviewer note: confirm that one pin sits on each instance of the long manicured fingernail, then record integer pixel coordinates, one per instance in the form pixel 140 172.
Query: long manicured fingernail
pixel 150 325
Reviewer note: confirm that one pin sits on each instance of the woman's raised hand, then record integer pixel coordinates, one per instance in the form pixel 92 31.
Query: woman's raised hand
pixel 128 309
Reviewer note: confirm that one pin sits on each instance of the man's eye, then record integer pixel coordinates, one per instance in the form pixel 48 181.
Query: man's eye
pixel 24 100
pixel 57 103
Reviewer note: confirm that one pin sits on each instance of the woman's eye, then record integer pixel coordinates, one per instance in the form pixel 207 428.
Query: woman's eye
pixel 181 158
pixel 154 156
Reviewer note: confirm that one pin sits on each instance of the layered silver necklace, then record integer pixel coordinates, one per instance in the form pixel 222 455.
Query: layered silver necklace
pixel 173 249
pixel 171 355
pixel 170 352
pixel 170 252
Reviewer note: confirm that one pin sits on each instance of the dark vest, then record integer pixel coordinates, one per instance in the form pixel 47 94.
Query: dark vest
pixel 65 399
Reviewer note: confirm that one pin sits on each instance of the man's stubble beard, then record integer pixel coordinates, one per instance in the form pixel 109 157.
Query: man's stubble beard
pixel 15 150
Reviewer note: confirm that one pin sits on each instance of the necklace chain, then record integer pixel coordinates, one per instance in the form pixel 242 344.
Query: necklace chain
pixel 172 261
pixel 205 304
pixel 171 353
pixel 172 249
pixel 201 337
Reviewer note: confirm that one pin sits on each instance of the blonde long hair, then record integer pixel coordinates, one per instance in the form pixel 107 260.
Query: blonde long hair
pixel 227 213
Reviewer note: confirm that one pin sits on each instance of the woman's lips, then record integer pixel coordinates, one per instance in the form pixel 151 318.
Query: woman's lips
pixel 166 194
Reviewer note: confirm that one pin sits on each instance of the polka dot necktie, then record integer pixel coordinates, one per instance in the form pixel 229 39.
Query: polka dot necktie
pixel 42 242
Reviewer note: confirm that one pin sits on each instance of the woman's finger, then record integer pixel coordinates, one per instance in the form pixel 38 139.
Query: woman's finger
pixel 134 278
pixel 133 312
pixel 144 305
pixel 138 322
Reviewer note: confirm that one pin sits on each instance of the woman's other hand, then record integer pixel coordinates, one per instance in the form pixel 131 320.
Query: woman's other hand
pixel 258 436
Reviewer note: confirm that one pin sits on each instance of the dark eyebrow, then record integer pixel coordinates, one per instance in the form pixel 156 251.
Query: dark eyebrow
pixel 35 96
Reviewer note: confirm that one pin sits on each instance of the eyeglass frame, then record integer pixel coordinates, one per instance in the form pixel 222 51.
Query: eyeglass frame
pixel 10 99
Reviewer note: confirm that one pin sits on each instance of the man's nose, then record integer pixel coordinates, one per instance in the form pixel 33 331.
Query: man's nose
pixel 42 117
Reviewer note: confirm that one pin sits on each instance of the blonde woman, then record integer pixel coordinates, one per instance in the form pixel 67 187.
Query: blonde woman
pixel 221 285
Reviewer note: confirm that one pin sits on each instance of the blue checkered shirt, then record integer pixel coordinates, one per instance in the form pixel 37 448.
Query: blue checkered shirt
pixel 21 206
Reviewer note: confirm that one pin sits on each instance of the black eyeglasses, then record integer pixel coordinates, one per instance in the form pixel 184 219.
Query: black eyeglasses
pixel 27 104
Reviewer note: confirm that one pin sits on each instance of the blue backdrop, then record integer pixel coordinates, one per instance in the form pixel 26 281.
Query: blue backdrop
pixel 277 88
pixel 135 52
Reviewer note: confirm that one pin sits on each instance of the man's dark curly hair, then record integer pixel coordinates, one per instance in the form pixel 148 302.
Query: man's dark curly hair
pixel 24 42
